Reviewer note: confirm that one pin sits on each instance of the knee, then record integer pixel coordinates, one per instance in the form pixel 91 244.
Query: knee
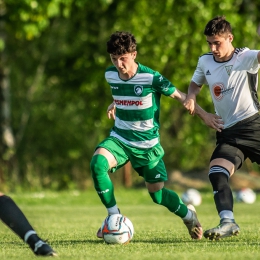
pixel 225 164
pixel 98 165
pixel 156 196
pixel 153 187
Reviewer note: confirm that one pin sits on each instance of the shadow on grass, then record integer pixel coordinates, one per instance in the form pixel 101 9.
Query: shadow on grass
pixel 157 241
pixel 208 243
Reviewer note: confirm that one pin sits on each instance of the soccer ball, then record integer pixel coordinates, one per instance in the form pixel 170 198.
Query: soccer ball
pixel 246 195
pixel 191 196
pixel 117 229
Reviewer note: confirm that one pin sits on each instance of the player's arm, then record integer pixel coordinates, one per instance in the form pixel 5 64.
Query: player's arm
pixel 211 120
pixel 180 96
pixel 111 111
pixel 190 101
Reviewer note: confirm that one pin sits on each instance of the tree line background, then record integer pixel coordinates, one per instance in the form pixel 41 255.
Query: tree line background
pixel 53 95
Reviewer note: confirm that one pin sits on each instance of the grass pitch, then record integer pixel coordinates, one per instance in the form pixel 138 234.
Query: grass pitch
pixel 69 221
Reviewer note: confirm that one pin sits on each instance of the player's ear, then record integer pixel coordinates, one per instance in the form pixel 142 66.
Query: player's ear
pixel 231 37
pixel 134 54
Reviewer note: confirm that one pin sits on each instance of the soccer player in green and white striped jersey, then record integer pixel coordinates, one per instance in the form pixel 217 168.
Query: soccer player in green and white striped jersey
pixel 136 91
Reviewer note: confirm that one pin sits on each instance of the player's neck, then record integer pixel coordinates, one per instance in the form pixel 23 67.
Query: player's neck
pixel 130 73
pixel 228 55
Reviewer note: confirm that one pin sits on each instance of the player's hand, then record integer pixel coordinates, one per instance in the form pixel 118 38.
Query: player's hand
pixel 189 104
pixel 214 121
pixel 111 111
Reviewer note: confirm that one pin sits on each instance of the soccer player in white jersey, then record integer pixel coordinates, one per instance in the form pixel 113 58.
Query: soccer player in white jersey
pixel 13 217
pixel 136 91
pixel 232 77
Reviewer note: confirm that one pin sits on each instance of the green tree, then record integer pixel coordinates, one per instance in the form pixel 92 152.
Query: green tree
pixel 54 56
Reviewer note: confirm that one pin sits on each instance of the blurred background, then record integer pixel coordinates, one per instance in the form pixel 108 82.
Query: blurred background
pixel 53 94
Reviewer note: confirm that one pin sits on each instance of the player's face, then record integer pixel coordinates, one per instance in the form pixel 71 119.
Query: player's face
pixel 221 46
pixel 124 63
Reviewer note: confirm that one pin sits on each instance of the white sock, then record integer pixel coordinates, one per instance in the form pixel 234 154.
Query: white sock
pixel 226 214
pixel 188 216
pixel 113 210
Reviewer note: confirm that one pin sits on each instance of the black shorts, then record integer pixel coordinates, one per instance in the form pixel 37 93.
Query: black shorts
pixel 239 142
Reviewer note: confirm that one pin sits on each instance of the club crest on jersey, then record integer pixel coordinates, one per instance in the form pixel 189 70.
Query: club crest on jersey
pixel 228 69
pixel 138 89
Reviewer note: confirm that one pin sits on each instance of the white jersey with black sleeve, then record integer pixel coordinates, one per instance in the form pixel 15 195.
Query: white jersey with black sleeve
pixel 233 84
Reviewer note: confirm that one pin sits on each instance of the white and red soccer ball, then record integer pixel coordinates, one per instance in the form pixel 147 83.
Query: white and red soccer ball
pixel 117 229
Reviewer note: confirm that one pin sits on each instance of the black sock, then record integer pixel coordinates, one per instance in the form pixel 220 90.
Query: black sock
pixel 14 218
pixel 223 195
pixel 32 240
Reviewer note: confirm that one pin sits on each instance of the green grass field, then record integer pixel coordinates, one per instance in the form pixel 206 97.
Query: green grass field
pixel 69 220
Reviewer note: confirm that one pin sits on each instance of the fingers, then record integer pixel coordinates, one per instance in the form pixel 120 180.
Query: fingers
pixel 111 111
pixel 189 105
pixel 214 121
pixel 111 114
pixel 218 128
pixel 218 124
pixel 192 112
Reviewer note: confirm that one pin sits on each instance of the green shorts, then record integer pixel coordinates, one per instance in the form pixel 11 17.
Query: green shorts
pixel 148 163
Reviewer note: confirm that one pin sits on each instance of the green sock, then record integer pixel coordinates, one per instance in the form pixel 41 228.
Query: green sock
pixel 102 182
pixel 171 201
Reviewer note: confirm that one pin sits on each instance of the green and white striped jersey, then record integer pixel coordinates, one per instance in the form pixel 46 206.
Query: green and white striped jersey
pixel 137 103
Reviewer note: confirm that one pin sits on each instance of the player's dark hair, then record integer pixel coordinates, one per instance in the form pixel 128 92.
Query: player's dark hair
pixel 217 26
pixel 121 43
